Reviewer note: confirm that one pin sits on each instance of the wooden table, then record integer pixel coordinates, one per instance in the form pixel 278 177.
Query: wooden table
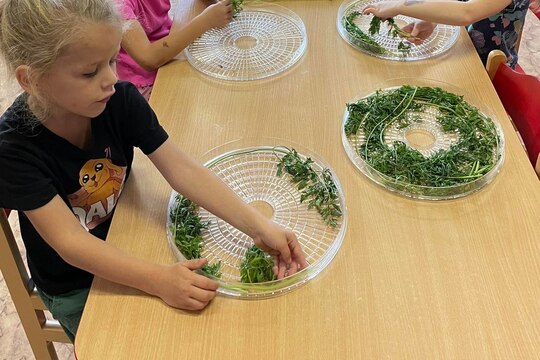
pixel 413 279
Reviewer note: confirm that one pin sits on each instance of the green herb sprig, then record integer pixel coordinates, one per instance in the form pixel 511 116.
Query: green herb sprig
pixel 393 30
pixel 318 189
pixel 257 266
pixel 472 156
pixel 238 6
pixel 186 227
pixel 359 38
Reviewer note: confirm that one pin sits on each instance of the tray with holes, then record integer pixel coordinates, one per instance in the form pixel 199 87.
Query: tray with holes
pixel 423 139
pixel 261 41
pixel 252 173
pixel 383 44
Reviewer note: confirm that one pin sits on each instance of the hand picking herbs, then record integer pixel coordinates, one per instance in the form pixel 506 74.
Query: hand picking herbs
pixel 470 157
pixel 186 228
pixel 318 189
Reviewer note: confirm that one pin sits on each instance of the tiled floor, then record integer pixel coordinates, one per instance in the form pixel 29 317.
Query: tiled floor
pixel 13 342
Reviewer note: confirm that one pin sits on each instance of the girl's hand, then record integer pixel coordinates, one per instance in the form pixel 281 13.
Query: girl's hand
pixel 383 10
pixel 218 14
pixel 283 246
pixel 420 30
pixel 180 287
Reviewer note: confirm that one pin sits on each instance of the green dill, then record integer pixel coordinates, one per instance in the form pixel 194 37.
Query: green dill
pixel 257 266
pixel 186 227
pixel 238 6
pixel 318 189
pixel 473 155
pixel 359 38
pixel 393 30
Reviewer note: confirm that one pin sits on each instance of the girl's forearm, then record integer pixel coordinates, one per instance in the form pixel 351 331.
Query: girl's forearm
pixel 451 12
pixel 105 261
pixel 81 249
pixel 204 188
pixel 165 49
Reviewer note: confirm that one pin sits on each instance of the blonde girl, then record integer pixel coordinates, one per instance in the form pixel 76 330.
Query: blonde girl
pixel 66 149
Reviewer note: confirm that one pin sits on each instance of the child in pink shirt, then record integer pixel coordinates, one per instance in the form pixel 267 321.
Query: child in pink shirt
pixel 148 43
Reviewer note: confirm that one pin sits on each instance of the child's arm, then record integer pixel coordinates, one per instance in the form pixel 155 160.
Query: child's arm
pixel 204 188
pixel 151 56
pixel 176 284
pixel 442 12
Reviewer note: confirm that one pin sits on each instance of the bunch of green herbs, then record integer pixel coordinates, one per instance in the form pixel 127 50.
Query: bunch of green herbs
pixel 359 38
pixel 257 266
pixel 393 30
pixel 473 155
pixel 319 189
pixel 186 228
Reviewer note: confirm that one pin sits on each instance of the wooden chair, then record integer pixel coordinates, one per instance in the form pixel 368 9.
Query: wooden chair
pixel 519 94
pixel 40 331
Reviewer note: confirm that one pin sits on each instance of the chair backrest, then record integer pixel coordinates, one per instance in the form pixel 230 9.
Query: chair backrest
pixel 40 331
pixel 519 94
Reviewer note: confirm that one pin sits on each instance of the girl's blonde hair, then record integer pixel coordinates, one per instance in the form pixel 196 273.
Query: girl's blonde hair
pixel 35 32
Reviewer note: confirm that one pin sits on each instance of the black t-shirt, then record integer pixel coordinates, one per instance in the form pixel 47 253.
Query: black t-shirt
pixel 36 165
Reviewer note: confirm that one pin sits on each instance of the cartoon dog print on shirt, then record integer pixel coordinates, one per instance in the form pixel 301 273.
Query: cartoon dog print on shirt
pixel 101 184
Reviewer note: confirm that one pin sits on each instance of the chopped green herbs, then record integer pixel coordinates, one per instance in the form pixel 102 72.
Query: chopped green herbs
pixel 186 228
pixel 473 155
pixel 318 189
pixel 257 266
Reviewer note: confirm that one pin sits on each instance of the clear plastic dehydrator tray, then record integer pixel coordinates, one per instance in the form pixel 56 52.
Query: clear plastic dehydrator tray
pixel 383 44
pixel 250 171
pixel 426 140
pixel 261 41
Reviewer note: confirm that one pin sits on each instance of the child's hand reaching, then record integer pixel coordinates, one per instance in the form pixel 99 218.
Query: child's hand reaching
pixel 181 287
pixel 283 246
pixel 218 14
pixel 420 30
pixel 383 10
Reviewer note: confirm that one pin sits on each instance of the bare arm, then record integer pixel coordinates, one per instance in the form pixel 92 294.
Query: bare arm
pixel 442 12
pixel 151 56
pixel 204 188
pixel 177 284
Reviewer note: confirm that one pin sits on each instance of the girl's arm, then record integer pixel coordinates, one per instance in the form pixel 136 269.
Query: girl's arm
pixel 151 56
pixel 440 11
pixel 176 284
pixel 204 188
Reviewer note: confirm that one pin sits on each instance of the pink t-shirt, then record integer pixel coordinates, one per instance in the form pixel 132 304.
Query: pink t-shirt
pixel 153 15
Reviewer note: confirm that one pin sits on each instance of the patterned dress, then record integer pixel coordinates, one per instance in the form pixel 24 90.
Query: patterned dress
pixel 500 31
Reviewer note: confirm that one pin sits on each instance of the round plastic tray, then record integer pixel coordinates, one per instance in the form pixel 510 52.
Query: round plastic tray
pixel 442 39
pixel 261 41
pixel 426 135
pixel 251 173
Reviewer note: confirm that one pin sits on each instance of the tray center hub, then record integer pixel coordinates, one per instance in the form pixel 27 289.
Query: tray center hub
pixel 245 42
pixel 420 139
pixel 263 207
